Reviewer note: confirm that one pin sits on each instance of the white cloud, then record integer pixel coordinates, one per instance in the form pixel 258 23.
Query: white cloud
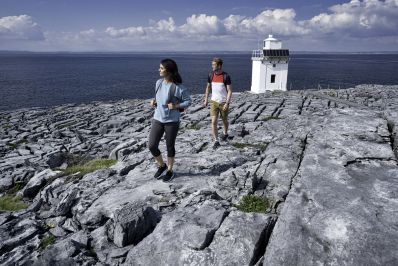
pixel 278 21
pixel 88 33
pixel 165 26
pixel 127 32
pixel 349 21
pixel 157 30
pixel 233 22
pixel 203 25
pixel 356 24
pixel 368 18
pixel 195 25
pixel 20 28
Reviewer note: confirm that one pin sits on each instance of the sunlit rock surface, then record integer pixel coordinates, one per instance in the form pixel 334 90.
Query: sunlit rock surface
pixel 325 161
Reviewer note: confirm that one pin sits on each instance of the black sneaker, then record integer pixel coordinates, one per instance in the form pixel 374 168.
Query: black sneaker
pixel 224 137
pixel 168 176
pixel 160 171
pixel 216 144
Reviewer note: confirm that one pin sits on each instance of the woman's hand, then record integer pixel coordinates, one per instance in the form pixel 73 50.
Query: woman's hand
pixel 172 106
pixel 153 103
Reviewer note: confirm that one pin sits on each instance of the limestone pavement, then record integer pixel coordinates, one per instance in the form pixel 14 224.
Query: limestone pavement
pixel 325 161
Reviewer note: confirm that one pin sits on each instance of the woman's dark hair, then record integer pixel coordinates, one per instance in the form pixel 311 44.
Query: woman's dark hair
pixel 171 67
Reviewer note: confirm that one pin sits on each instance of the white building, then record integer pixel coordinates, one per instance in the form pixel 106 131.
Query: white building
pixel 270 65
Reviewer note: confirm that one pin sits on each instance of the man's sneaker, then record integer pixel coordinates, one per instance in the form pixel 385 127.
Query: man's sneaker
pixel 224 137
pixel 160 171
pixel 216 144
pixel 168 176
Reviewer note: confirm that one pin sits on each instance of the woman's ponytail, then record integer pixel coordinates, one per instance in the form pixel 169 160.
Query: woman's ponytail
pixel 177 78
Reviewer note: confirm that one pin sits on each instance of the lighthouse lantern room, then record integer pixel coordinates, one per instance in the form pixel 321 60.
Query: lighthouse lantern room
pixel 270 65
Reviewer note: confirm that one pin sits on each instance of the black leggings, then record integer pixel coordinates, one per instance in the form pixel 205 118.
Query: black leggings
pixel 157 130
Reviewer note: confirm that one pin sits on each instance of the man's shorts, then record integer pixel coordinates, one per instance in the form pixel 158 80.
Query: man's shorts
pixel 216 108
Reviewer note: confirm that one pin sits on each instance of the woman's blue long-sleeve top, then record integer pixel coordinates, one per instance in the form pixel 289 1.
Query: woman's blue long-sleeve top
pixel 162 113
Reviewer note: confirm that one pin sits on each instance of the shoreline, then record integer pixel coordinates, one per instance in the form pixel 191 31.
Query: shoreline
pixel 187 52
pixel 22 109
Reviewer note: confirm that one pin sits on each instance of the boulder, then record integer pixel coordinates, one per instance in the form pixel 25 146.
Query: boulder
pixel 37 182
pixel 132 223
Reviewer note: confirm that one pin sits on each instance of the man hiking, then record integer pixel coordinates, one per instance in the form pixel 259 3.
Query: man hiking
pixel 219 82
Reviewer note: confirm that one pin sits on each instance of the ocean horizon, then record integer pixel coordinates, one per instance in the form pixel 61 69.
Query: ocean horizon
pixel 186 52
pixel 44 79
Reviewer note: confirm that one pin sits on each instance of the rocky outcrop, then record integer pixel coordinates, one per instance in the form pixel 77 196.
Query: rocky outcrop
pixel 324 161
pixel 37 182
pixel 132 223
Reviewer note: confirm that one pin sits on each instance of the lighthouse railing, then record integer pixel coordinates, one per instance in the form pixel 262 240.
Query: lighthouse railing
pixel 257 54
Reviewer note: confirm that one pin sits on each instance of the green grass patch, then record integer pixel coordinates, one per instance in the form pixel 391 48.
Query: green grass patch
pixel 332 93
pixel 277 92
pixel 261 146
pixel 193 127
pixel 6 126
pixel 17 187
pixel 69 124
pixel 13 146
pixel 267 118
pixel 91 252
pixel 72 159
pixel 251 203
pixel 47 241
pixel 11 203
pixel 48 226
pixel 88 167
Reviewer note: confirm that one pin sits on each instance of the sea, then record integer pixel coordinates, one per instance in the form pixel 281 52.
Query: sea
pixel 50 79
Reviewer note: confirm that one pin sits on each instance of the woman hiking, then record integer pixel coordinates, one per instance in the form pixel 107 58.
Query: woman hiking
pixel 170 97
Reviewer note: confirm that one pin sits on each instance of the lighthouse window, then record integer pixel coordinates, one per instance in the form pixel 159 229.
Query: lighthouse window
pixel 273 78
pixel 273 65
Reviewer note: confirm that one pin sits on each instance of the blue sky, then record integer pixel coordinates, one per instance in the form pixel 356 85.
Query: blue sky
pixel 190 25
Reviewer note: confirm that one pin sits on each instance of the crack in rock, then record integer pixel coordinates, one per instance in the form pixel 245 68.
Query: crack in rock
pixel 393 137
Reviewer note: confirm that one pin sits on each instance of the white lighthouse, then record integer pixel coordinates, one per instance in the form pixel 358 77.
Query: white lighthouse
pixel 270 65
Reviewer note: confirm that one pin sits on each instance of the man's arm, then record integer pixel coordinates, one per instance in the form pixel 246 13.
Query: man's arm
pixel 208 88
pixel 229 95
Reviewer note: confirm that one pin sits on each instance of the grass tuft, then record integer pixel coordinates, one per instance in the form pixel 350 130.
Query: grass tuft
pixel 251 203
pixel 69 124
pixel 11 203
pixel 15 145
pixel 47 241
pixel 277 92
pixel 17 187
pixel 261 146
pixel 81 169
pixel 193 127
pixel 267 118
pixel 332 93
